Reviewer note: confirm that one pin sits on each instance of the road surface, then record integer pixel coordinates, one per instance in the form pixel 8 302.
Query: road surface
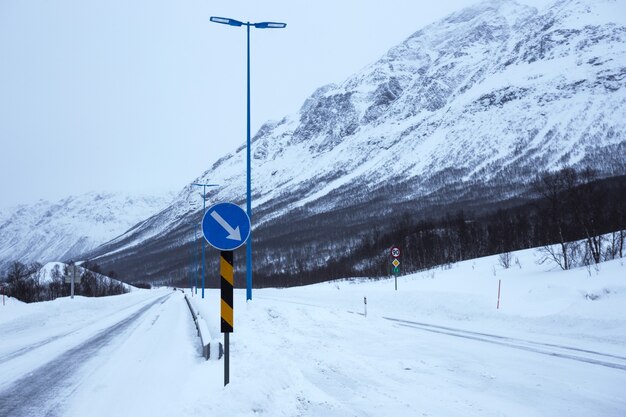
pixel 76 369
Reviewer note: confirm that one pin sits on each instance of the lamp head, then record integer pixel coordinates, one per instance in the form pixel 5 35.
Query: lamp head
pixel 270 25
pixel 225 21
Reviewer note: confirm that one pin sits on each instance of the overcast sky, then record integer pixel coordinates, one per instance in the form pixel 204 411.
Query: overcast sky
pixel 144 95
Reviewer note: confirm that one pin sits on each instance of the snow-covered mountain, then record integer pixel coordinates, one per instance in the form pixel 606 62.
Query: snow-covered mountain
pixel 47 231
pixel 481 100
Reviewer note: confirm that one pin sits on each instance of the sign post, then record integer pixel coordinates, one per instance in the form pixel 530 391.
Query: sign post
pixel 226 310
pixel 395 262
pixel 226 227
pixel 71 279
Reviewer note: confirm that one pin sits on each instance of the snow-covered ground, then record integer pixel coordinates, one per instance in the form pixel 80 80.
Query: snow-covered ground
pixel 437 346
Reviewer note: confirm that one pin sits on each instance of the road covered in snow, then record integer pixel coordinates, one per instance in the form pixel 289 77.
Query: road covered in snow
pixel 56 357
pixel 436 347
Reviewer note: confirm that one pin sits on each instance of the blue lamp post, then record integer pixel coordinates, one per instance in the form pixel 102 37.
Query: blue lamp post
pixel 260 25
pixel 203 211
pixel 194 254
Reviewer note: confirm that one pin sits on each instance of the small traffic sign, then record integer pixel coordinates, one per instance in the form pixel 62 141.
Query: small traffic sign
pixel 395 263
pixel 225 226
pixel 68 279
pixel 395 252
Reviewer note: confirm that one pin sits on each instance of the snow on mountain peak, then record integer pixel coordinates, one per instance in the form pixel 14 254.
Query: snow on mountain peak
pixel 45 231
pixel 491 94
pixel 415 96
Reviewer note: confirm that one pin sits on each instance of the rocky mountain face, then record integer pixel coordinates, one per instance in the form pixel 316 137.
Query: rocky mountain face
pixel 65 229
pixel 463 113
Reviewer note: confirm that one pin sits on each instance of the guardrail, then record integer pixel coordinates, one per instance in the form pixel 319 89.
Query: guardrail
pixel 203 331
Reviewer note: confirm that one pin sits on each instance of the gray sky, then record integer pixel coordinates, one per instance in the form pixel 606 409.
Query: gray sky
pixel 144 95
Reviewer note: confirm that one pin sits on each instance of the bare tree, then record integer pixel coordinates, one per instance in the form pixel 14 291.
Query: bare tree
pixel 505 259
pixel 553 187
pixel 587 202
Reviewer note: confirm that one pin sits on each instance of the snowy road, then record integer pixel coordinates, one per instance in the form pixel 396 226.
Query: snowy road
pixel 436 347
pixel 64 367
pixel 444 363
pixel 550 349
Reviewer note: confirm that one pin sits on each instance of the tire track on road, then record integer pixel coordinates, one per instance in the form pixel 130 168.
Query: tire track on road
pixel 521 344
pixel 26 349
pixel 42 392
pixel 550 349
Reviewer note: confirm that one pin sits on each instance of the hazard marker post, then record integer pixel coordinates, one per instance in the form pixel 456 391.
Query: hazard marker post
pixel 365 305
pixel 226 310
pixel 499 284
pixel 226 227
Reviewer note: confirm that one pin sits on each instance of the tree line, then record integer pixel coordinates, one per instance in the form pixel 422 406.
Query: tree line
pixel 584 216
pixel 27 283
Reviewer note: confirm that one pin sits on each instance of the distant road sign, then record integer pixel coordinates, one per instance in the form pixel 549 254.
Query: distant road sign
pixel 395 252
pixel 226 226
pixel 395 263
pixel 77 277
pixel 68 279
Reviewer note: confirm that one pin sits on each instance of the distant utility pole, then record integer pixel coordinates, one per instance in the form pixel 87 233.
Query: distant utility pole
pixel 203 212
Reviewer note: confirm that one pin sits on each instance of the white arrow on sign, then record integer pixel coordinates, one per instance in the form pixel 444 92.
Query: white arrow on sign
pixel 233 234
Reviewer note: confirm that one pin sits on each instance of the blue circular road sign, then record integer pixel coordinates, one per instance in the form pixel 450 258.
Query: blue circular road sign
pixel 225 226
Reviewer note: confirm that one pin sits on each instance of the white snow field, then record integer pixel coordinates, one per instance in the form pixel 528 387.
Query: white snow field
pixel 435 347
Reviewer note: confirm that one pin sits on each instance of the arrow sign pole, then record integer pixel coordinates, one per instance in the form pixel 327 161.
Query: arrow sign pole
pixel 233 234
pixel 226 226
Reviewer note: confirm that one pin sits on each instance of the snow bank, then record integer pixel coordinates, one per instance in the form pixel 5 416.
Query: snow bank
pixel 310 350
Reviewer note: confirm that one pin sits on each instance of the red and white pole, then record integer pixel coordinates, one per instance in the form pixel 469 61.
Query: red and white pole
pixel 499 283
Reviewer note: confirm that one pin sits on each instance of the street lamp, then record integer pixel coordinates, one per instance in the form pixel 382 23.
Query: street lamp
pixel 203 212
pixel 260 25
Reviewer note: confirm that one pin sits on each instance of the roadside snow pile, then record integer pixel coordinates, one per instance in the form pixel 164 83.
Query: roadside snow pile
pixel 11 303
pixel 437 346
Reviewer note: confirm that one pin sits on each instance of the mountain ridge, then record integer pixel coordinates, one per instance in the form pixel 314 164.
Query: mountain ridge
pixel 475 104
pixel 49 231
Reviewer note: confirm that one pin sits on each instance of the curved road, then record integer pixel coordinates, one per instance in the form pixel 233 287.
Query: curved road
pixel 550 349
pixel 555 350
pixel 44 391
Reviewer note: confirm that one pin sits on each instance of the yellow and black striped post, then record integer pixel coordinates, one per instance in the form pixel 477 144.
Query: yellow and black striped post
pixel 227 274
pixel 228 280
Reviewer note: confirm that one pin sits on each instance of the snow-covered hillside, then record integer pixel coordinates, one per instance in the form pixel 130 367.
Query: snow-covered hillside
pixel 486 98
pixel 439 346
pixel 61 230
pixel 496 91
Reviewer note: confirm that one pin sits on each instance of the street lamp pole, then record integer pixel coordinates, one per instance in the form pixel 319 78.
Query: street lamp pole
pixel 259 25
pixel 192 260
pixel 195 256
pixel 194 253
pixel 203 212
pixel 248 182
